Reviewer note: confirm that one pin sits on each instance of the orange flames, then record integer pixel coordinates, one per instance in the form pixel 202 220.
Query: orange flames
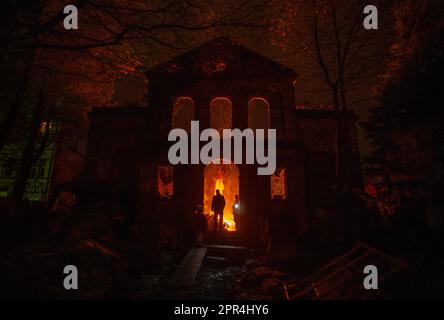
pixel 225 178
pixel 228 212
pixel 219 185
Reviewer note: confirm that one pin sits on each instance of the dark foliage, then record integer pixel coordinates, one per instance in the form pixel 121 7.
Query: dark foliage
pixel 406 167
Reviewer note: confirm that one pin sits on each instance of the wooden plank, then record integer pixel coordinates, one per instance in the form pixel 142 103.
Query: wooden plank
pixel 343 281
pixel 354 275
pixel 187 270
pixel 325 268
pixel 389 257
pixel 341 269
pixel 329 276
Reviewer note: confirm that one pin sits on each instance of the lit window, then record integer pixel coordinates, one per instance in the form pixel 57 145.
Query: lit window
pixel 258 114
pixel 183 113
pixel 165 181
pixel 279 185
pixel 221 114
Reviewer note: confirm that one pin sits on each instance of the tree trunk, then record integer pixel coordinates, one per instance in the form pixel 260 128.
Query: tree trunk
pixel 339 140
pixel 14 110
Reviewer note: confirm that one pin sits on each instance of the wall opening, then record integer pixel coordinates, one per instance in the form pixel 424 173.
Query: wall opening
pixel 278 182
pixel 165 181
pixel 223 177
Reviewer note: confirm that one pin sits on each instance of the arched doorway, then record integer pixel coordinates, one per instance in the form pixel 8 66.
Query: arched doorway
pixel 223 177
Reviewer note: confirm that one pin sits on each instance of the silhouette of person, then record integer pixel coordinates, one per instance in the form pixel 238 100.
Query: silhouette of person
pixel 236 212
pixel 200 225
pixel 218 206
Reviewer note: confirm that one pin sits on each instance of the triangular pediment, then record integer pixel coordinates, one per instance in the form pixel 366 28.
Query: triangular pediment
pixel 221 57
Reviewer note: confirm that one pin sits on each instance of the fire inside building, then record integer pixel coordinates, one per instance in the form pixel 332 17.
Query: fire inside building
pixel 222 85
pixel 222 150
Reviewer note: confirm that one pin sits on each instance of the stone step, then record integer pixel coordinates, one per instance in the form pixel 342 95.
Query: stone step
pixel 224 237
pixel 230 252
pixel 216 262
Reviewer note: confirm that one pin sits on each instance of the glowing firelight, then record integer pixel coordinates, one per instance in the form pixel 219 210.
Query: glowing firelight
pixel 219 185
pixel 225 178
pixel 228 215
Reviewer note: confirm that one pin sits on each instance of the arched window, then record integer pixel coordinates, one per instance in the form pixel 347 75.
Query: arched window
pixel 183 113
pixel 221 114
pixel 258 114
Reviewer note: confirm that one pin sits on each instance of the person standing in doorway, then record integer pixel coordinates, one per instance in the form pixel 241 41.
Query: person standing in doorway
pixel 218 206
pixel 236 212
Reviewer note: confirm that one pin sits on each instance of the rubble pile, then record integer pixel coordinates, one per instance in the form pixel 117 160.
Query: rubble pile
pixel 263 278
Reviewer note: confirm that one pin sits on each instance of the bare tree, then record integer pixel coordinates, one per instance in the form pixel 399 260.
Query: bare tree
pixel 338 53
pixel 114 37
